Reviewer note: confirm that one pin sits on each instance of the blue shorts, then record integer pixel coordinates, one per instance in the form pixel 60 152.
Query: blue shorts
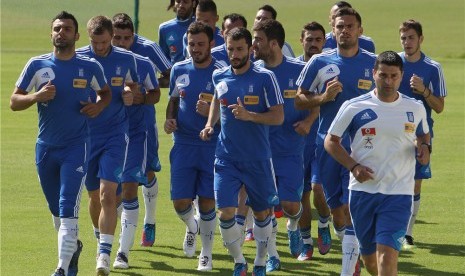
pixel 258 179
pixel 62 173
pixel 107 159
pixel 191 171
pixel 289 174
pixel 134 169
pixel 334 178
pixel 379 219
pixel 153 162
pixel 311 174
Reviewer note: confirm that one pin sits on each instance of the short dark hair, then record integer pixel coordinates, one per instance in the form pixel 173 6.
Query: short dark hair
pixel 272 29
pixel 270 9
pixel 171 4
pixel 389 58
pixel 240 33
pixel 313 26
pixel 67 15
pixel 207 6
pixel 411 24
pixel 198 27
pixel 123 21
pixel 348 11
pixel 234 17
pixel 343 4
pixel 97 25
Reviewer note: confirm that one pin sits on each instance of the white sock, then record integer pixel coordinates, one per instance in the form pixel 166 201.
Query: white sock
pixel 119 210
pixel 249 220
pixel 262 234
pixel 105 244
pixel 96 232
pixel 56 222
pixel 207 225
pixel 413 217
pixel 340 232
pixel 196 207
pixel 67 241
pixel 293 220
pixel 188 217
pixel 350 252
pixel 128 225
pixel 231 235
pixel 150 201
pixel 272 250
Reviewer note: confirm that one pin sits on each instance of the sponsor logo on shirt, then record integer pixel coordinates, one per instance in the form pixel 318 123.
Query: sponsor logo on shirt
pixel 183 80
pixel 79 83
pixel 365 116
pixel 206 97
pixel 371 131
pixel 221 88
pixel 44 75
pixel 364 84
pixel 289 94
pixel 224 102
pixel 409 127
pixel 182 93
pixel 173 49
pixel 251 100
pixel 116 81
pixel 368 143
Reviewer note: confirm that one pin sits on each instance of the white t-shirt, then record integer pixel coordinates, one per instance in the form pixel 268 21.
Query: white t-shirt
pixel 382 138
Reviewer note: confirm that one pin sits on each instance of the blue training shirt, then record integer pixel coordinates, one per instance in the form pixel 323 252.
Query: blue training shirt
pixel 119 67
pixel 258 90
pixel 190 84
pixel 431 73
pixel 150 49
pixel 284 140
pixel 60 120
pixel 355 74
pixel 170 34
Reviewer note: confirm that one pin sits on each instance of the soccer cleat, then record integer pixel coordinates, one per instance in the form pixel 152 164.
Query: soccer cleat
pixel 59 272
pixel 358 268
pixel 324 240
pixel 249 235
pixel 295 242
pixel 278 211
pixel 189 245
pixel 103 265
pixel 408 242
pixel 148 235
pixel 259 271
pixel 73 264
pixel 121 261
pixel 272 264
pixel 240 269
pixel 307 253
pixel 205 263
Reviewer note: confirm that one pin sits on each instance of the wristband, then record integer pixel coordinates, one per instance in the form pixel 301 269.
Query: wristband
pixel 353 167
pixel 428 94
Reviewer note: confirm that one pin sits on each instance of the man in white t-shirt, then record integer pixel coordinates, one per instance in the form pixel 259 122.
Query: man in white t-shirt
pixel 386 128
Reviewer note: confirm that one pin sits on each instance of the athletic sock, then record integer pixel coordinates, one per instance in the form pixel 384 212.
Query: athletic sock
pixel 413 217
pixel 323 221
pixel 188 217
pixel 56 222
pixel 262 234
pixel 340 231
pixel 350 252
pixel 106 243
pixel 207 225
pixel 67 241
pixel 231 235
pixel 293 220
pixel 272 250
pixel 249 220
pixel 128 224
pixel 150 193
pixel 306 235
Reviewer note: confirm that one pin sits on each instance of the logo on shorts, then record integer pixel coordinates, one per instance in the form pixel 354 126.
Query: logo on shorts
pixel 80 169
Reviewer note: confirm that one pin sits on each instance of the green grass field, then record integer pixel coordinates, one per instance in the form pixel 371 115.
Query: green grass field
pixel 28 241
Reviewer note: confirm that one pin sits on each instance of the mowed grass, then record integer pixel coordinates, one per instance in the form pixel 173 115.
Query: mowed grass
pixel 28 241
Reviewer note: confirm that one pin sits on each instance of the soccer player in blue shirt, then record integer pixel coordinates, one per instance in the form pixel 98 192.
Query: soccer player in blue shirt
pixel 248 99
pixel 287 140
pixel 63 81
pixel 143 46
pixel 423 79
pixel 134 173
pixel 365 42
pixel 171 32
pixel 207 13
pixel 328 80
pixel 124 37
pixel 191 92
pixel 312 39
pixel 109 134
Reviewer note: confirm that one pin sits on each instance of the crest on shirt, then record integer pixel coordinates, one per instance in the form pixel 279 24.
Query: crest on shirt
pixel 81 72
pixel 221 88
pixel 291 83
pixel 209 86
pixel 183 80
pixel 410 117
pixel 367 73
pixel 118 70
pixel 251 88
